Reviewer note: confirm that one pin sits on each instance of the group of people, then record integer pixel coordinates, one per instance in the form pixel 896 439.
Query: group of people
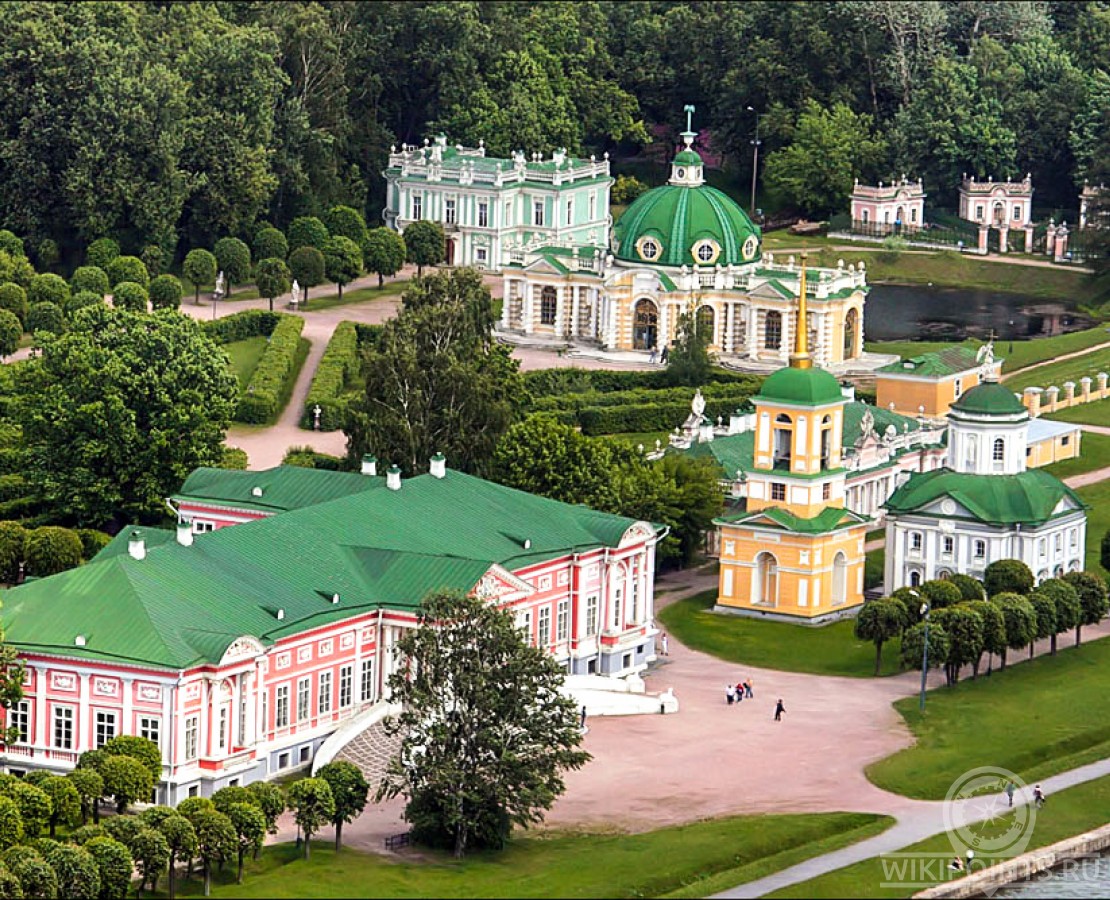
pixel 656 356
pixel 735 693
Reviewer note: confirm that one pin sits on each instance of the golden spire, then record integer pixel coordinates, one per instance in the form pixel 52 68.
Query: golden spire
pixel 799 359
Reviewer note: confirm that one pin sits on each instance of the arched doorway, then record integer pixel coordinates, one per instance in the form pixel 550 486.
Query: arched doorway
pixel 706 322
pixel 851 327
pixel 999 213
pixel 840 579
pixel 915 578
pixel 645 325
pixel 772 333
pixel 765 589
pixel 899 219
pixel 549 305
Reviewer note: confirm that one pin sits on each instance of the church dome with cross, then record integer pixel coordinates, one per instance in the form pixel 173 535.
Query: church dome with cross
pixel 686 222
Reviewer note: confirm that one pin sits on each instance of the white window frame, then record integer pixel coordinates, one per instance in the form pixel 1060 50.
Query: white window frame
pixel 508 213
pixel 192 737
pixel 103 719
pixel 570 211
pixel 19 717
pixel 562 621
pixel 323 693
pixel 417 206
pixel 366 680
pixel 150 727
pixel 222 729
pixel 524 623
pixel 450 211
pixel 304 698
pixel 62 718
pixel 948 545
pixel 483 214
pixel 537 213
pixel 281 706
pixel 593 604
pixel 917 542
pixel 980 549
pixel 543 631
pixel 618 597
pixel 591 205
pixel 346 686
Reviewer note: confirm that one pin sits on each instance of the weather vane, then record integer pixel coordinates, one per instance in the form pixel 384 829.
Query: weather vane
pixel 689 110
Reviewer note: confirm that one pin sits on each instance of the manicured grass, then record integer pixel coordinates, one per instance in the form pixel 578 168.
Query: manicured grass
pixel 1089 365
pixel 1094 454
pixel 359 295
pixel 1098 521
pixel 690 859
pixel 239 292
pixel 303 346
pixel 1024 353
pixel 1037 718
pixel 1097 413
pixel 874 565
pixel 245 355
pixel 1067 813
pixel 825 650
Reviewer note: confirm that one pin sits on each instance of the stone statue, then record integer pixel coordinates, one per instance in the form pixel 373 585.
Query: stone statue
pixel 316 412
pixel 697 405
pixel 295 294
pixel 867 424
pixel 221 284
pixel 985 357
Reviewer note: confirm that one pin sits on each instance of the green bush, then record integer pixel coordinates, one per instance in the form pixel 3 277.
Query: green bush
pixel 543 382
pixel 45 317
pixel 48 288
pixel 626 189
pixel 11 331
pixel 128 268
pixel 130 295
pixel 52 549
pixel 595 420
pixel 13 543
pixel 270 243
pixel 242 325
pixel 101 252
pixel 307 231
pixel 90 278
pixel 81 300
pixel 307 458
pixel 47 254
pixel 153 258
pixel 14 299
pixel 261 401
pixel 742 389
pixel 11 244
pixel 12 487
pixel 234 458
pixel 337 366
pixel 92 541
pixel 165 292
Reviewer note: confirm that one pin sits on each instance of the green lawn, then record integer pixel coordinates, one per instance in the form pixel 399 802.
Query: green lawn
pixel 1089 364
pixel 1094 454
pixel 1067 813
pixel 1025 353
pixel 1097 413
pixel 690 860
pixel 1097 496
pixel 825 650
pixel 359 295
pixel 1036 718
pixel 239 292
pixel 245 355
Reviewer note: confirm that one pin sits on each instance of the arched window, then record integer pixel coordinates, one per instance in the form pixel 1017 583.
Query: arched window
pixel 840 579
pixel 999 452
pixel 772 339
pixel 706 322
pixel 549 304
pixel 784 438
pixel 645 325
pixel 765 589
pixel 826 441
pixel 915 578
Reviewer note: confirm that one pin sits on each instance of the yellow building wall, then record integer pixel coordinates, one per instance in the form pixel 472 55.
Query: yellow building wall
pixel 804 570
pixel 1050 450
pixel 907 396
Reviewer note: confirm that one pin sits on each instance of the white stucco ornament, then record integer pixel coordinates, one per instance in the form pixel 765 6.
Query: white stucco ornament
pixel 697 405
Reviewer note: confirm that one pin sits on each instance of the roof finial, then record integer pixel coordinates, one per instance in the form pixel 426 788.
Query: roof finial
pixel 799 359
pixel 689 134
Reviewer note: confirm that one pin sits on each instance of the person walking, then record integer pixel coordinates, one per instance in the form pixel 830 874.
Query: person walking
pixel 739 691
pixel 663 641
pixel 663 355
pixel 779 710
pixel 652 356
pixel 748 688
pixel 730 693
pixel 1010 792
pixel 1038 796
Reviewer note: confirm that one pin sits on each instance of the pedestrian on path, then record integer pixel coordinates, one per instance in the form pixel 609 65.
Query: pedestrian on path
pixel 1038 796
pixel 779 710
pixel 652 356
pixel 663 641
pixel 730 693
pixel 1010 792
pixel 748 688
pixel 663 355
pixel 582 724
pixel 739 691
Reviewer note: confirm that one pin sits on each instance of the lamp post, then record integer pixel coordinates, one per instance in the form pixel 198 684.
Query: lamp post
pixel 755 157
pixel 925 653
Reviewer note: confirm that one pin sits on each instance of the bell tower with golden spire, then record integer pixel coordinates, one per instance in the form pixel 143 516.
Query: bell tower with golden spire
pixel 800 358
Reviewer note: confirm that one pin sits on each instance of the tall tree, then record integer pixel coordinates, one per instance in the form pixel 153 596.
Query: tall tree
pixel 273 279
pixel 1091 588
pixel 689 361
pixel 425 244
pixel 349 790
pixel 313 806
pixel 342 261
pixel 878 621
pixel 486 732
pixel 1019 618
pixel 383 253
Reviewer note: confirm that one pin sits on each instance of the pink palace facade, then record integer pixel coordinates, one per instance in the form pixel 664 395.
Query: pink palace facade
pixel 239 650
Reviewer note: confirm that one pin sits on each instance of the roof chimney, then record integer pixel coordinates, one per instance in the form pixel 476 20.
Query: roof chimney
pixel 369 464
pixel 280 614
pixel 185 533
pixel 79 641
pixel 439 466
pixel 393 478
pixel 136 546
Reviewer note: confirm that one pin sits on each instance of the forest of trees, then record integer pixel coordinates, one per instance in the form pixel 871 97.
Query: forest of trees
pixel 178 123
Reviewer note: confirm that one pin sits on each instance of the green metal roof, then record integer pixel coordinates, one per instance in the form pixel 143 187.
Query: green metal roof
pixel 940 364
pixel 152 537
pixel 183 606
pixel 677 217
pixel 808 387
pixel 687 158
pixel 829 519
pixel 989 399
pixel 283 487
pixel 1028 498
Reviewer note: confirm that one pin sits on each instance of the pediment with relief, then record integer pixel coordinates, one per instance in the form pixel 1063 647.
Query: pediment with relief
pixel 501 585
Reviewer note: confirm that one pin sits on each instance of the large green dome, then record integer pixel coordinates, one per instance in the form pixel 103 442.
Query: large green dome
pixel 806 387
pixel 685 225
pixel 989 399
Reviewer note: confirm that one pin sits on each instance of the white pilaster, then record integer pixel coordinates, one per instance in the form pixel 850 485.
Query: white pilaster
pixel 40 706
pixel 166 731
pixel 84 741
pixel 127 726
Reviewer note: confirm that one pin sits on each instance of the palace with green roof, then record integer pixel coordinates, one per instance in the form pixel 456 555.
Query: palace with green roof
pixel 683 247
pixel 239 650
pixel 984 504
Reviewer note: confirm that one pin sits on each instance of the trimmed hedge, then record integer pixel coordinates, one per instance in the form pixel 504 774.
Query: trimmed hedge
pixel 595 420
pixel 545 382
pixel 745 386
pixel 261 402
pixel 337 366
pixel 242 325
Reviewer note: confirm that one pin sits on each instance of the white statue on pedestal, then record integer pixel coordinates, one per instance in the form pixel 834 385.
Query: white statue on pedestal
pixel 221 284
pixel 295 293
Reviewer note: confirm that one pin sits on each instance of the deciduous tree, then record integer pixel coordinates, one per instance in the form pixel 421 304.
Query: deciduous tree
pixel 1007 576
pixel 313 807
pixel 1019 618
pixel 349 791
pixel 425 244
pixel 250 830
pixel 233 258
pixel 65 802
pixel 49 288
pixel 343 221
pixel 216 841
pixel 51 549
pixel 130 295
pixel 306 264
pixel 307 231
pixel 200 268
pixel 964 627
pixel 76 870
pixel 181 838
pixel 90 278
pixel 128 268
pixel 165 292
pixel 90 787
pixel 1091 589
pixel 878 621
pixel 11 332
pixel 113 864
pixel 994 632
pixel 14 299
pixel 126 780
pixel 342 261
pixel 384 253
pixel 486 732
pixel 270 243
pixel 273 279
pixel 151 853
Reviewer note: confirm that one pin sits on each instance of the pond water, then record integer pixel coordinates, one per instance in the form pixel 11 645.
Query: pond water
pixel 898 312
pixel 1078 878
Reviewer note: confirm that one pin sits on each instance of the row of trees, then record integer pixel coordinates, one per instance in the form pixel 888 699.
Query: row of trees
pixel 967 618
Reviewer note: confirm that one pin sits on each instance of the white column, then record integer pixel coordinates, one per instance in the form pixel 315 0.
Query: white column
pixel 726 338
pixel 128 724
pixel 611 336
pixel 560 310
pixel 166 732
pixel 526 308
pixel 753 329
pixel 664 325
pixel 202 719
pixel 507 285
pixel 574 315
pixel 356 676
pixel 84 741
pixel 40 706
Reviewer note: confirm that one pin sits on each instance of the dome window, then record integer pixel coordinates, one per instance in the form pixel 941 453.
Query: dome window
pixel 649 249
pixel 706 252
pixel 680 173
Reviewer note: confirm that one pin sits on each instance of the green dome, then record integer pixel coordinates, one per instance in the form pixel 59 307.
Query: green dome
pixel 989 399
pixel 678 218
pixel 810 387
pixel 687 157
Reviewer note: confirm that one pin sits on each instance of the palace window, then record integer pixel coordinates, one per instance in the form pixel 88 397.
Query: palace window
pixel 635 598
pixel 304 699
pixel 570 212
pixel 866 216
pixel 949 546
pixel 281 707
pixel 980 549
pixel 481 254
pixel 1059 542
pixel 1042 548
pixel 346 686
pixel 508 212
pixel 826 491
pixel 449 215
pixel 19 718
pixel 323 693
pixel 63 727
pixel 618 595
pixel 773 331
pixel 778 490
pixel 221 743
pixel 1017 212
pixel 999 452
pixel 649 249
pixel 591 205
pixel 957 388
pixel 483 214
pixel 524 623
pixel 916 541
pixel 549 304
pixel 418 206
pixel 706 252
pixel 537 213
pixel 1073 537
pixel 192 731
pixel 562 621
pixel 591 615
pixel 150 727
pixel 265 712
pixel 366 687
pixel 545 626
pixel 979 212
pixel 105 728
pixel 913 215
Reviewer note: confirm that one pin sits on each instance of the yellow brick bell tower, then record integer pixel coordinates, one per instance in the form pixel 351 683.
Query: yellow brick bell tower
pixel 795 551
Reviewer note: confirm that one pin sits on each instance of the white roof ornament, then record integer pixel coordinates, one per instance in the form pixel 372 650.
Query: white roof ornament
pixel 985 357
pixel 697 405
